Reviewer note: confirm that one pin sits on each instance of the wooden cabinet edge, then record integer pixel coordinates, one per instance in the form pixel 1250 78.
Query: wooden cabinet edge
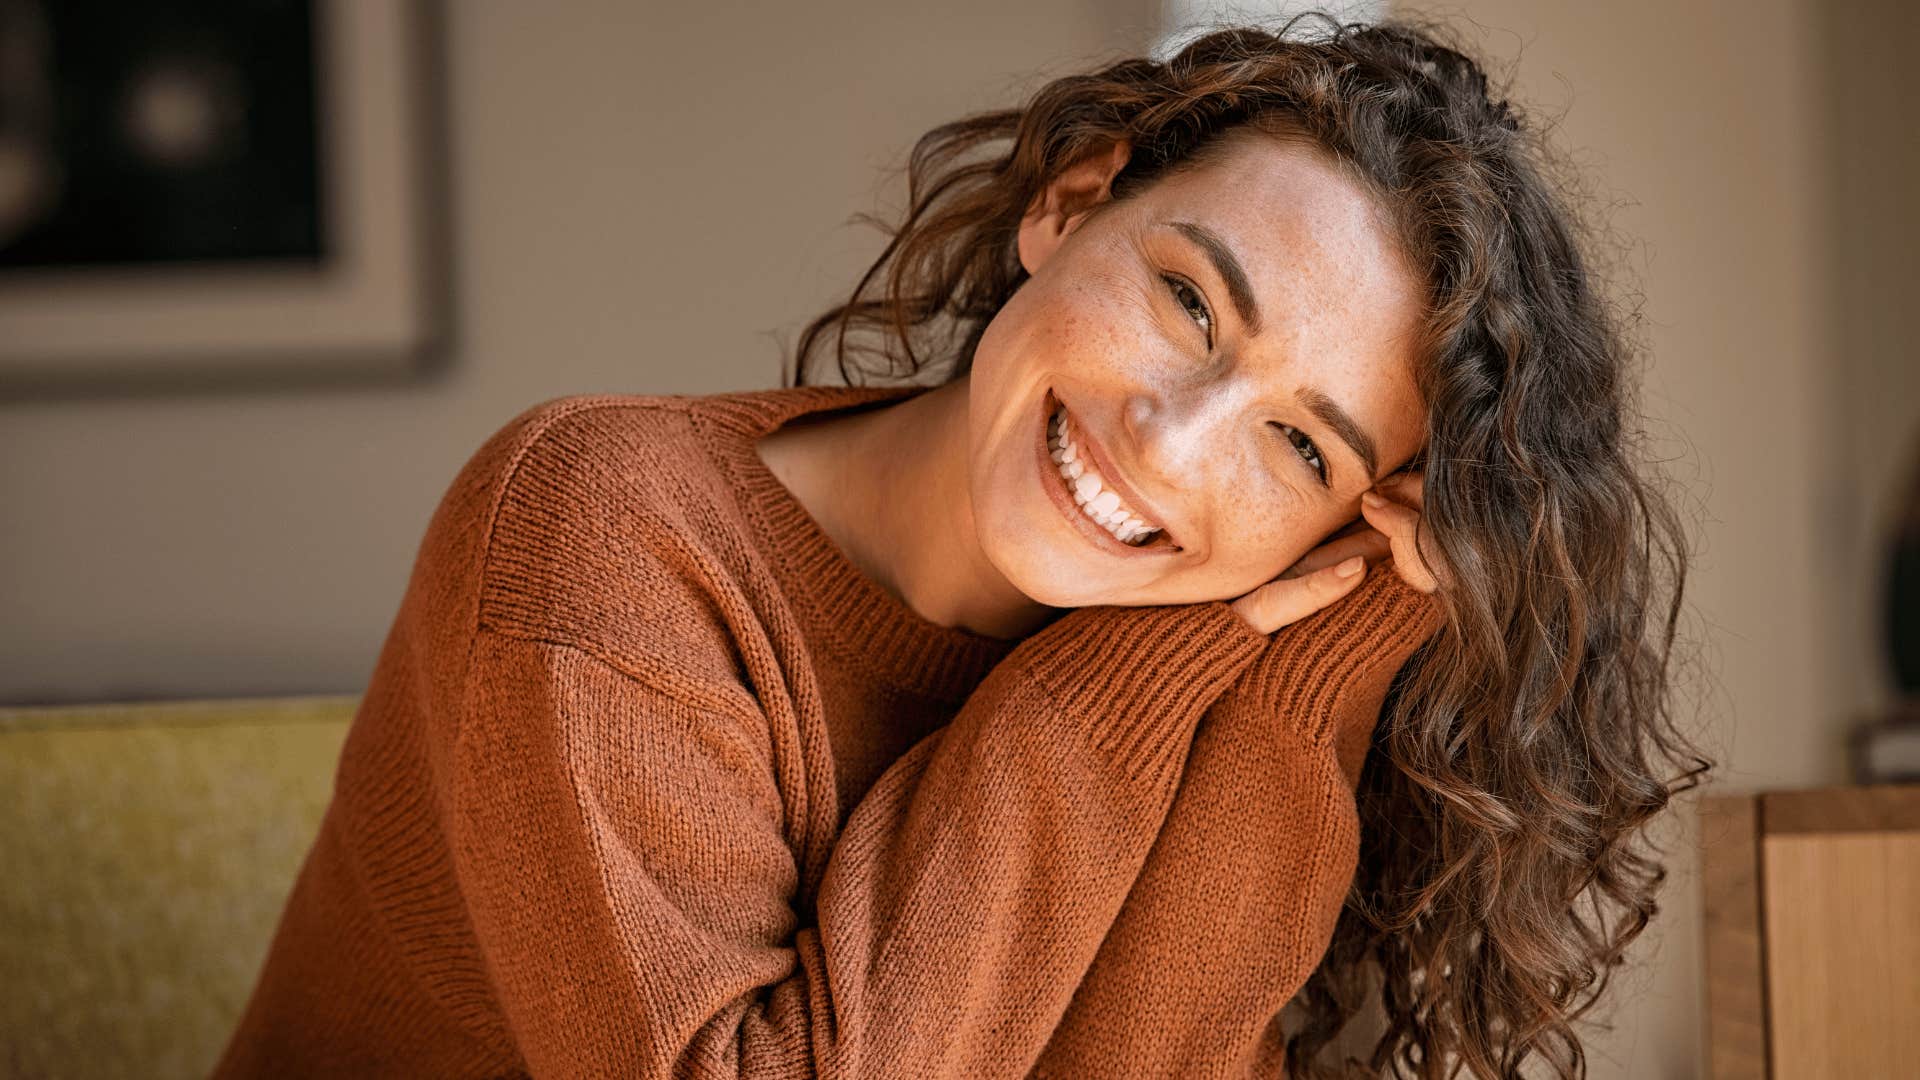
pixel 1731 865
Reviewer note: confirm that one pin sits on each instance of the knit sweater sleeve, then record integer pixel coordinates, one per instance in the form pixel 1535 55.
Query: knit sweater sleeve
pixel 623 846
pixel 1237 901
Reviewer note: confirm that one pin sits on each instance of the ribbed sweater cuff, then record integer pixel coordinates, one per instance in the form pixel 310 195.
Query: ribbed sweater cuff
pixel 1139 677
pixel 1383 616
pixel 1370 632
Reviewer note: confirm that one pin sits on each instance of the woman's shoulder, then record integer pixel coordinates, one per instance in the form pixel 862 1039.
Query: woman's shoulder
pixel 597 520
pixel 630 430
pixel 571 465
pixel 588 432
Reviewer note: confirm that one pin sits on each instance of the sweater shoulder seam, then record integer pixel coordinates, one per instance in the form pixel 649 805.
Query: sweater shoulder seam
pixel 555 410
pixel 732 701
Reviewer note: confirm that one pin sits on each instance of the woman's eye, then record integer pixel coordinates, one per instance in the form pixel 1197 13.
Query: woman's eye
pixel 1198 308
pixel 1308 451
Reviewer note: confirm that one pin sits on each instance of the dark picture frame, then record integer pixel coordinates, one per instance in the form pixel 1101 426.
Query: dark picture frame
pixel 362 294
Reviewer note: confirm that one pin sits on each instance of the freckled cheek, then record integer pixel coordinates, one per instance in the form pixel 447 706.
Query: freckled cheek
pixel 1263 532
pixel 1094 329
pixel 1266 525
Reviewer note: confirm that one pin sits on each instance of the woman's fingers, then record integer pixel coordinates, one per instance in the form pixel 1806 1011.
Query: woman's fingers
pixel 1357 525
pixel 1369 543
pixel 1283 601
pixel 1388 528
pixel 1407 488
pixel 1401 525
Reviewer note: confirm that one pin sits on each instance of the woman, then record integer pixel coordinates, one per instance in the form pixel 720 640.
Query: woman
pixel 1022 725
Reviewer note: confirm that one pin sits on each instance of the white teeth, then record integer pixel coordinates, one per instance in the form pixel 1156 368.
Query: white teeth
pixel 1089 492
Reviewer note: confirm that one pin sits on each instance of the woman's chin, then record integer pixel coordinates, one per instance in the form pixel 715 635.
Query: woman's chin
pixel 1045 578
pixel 1041 587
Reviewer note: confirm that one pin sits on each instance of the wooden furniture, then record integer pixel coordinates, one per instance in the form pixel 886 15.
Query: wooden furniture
pixel 1812 905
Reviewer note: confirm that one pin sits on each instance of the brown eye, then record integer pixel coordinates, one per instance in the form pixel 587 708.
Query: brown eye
pixel 1182 292
pixel 1308 452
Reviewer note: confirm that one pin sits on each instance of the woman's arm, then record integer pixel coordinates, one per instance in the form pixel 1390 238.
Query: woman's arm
pixel 626 854
pixel 1238 899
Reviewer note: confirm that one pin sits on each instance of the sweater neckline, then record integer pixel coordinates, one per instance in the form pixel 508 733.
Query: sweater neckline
pixel 869 625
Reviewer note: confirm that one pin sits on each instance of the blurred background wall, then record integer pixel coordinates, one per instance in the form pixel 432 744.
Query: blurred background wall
pixel 1761 158
pixel 642 195
pixel 651 198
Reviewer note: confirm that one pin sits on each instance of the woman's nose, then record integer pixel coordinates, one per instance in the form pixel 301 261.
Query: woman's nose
pixel 1179 439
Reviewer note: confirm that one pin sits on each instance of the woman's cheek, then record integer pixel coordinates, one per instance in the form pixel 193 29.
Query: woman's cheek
pixel 1108 306
pixel 1275 528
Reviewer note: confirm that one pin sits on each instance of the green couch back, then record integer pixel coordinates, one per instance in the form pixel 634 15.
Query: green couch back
pixel 147 851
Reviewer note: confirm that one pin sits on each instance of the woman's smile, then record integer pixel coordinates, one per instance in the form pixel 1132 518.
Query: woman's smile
pixel 1074 509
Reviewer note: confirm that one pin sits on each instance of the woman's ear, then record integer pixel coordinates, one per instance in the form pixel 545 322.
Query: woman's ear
pixel 1066 201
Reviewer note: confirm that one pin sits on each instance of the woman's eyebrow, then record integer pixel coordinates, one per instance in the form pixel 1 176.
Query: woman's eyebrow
pixel 1343 425
pixel 1227 265
pixel 1240 291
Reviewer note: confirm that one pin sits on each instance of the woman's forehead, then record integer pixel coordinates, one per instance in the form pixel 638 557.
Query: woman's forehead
pixel 1291 239
pixel 1268 193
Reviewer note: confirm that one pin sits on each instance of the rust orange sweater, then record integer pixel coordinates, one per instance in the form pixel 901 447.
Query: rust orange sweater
pixel 650 780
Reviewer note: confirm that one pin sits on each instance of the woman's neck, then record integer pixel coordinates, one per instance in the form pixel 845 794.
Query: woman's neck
pixel 889 486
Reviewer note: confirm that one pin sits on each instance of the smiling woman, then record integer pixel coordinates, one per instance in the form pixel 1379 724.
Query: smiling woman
pixel 1186 329
pixel 1047 721
pixel 1268 282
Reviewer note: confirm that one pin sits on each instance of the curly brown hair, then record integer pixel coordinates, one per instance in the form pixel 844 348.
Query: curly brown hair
pixel 1504 864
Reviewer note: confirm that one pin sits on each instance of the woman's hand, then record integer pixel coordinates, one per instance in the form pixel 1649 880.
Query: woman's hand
pixel 1393 508
pixel 1384 531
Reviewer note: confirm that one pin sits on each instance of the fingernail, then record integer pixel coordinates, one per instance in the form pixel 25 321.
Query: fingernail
pixel 1351 566
pixel 1373 499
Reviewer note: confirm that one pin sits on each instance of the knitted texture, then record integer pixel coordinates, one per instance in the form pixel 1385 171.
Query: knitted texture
pixel 651 780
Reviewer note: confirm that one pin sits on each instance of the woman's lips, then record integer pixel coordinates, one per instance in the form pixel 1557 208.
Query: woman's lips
pixel 1112 477
pixel 1056 486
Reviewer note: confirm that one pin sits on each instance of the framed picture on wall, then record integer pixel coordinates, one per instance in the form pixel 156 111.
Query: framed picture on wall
pixel 240 188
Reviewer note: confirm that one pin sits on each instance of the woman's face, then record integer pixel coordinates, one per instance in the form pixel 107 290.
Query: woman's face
pixel 1188 332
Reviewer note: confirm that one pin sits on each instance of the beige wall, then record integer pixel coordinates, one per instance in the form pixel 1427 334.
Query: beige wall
pixel 1873 169
pixel 1760 156
pixel 644 192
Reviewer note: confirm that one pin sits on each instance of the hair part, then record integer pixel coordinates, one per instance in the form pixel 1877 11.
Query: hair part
pixel 1524 749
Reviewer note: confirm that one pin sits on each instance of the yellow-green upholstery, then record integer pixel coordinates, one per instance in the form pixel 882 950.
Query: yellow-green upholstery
pixel 147 850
